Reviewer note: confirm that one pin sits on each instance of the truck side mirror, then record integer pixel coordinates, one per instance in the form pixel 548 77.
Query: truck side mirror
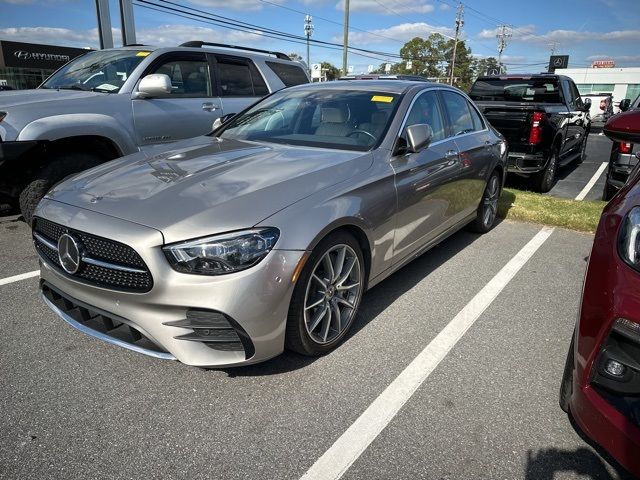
pixel 625 104
pixel 154 85
pixel 587 104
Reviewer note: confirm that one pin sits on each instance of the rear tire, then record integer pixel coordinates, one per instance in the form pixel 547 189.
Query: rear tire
pixel 319 318
pixel 488 209
pixel 58 169
pixel 544 181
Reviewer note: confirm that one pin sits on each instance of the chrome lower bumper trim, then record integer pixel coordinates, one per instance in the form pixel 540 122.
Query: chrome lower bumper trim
pixel 102 336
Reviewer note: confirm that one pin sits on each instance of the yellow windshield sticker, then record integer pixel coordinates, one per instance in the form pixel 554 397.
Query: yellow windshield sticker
pixel 142 54
pixel 381 98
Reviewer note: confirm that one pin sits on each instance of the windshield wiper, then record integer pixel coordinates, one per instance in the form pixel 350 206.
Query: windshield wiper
pixel 78 87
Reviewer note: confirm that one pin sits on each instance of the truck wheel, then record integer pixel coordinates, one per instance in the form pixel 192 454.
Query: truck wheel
pixel 57 170
pixel 583 149
pixel 543 181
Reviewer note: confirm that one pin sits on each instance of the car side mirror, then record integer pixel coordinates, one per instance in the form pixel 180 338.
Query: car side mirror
pixel 625 104
pixel 223 119
pixel 587 104
pixel 154 85
pixel 418 137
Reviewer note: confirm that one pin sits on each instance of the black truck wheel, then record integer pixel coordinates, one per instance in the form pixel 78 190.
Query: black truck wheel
pixel 58 169
pixel 543 181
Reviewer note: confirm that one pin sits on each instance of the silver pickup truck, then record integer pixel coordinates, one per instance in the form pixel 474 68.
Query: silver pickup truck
pixel 110 103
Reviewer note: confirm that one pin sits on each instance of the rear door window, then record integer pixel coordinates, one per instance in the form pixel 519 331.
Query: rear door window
pixel 239 78
pixel 459 112
pixel 288 74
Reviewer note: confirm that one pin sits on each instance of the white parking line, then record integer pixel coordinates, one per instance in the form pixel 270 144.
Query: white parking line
pixel 592 182
pixel 17 278
pixel 355 440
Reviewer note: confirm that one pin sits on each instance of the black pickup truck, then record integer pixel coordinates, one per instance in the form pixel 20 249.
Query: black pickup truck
pixel 543 118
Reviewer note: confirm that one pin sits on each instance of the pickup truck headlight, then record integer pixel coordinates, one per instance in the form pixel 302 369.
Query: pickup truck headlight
pixel 221 254
pixel 629 239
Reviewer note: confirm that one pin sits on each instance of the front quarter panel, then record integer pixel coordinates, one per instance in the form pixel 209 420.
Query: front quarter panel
pixel 366 201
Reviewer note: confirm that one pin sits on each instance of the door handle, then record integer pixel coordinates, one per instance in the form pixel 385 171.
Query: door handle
pixel 209 107
pixel 452 155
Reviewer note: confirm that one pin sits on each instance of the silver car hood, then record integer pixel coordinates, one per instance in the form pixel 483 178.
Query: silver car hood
pixel 18 98
pixel 204 185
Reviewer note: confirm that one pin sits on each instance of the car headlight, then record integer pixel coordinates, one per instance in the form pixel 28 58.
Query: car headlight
pixel 629 239
pixel 221 254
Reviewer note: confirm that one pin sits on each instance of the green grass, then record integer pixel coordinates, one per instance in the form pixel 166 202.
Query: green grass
pixel 544 209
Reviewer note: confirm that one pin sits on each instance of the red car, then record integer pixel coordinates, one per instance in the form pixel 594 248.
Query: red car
pixel 601 384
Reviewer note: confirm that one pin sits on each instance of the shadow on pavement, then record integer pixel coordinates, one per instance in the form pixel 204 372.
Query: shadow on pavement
pixel 374 302
pixel 544 464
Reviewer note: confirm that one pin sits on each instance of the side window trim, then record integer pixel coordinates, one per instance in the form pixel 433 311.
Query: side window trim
pixel 178 57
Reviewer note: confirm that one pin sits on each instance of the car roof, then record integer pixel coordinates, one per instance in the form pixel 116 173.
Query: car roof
pixel 390 86
pixel 522 76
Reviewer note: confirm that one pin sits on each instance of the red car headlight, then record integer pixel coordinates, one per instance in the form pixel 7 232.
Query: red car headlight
pixel 629 239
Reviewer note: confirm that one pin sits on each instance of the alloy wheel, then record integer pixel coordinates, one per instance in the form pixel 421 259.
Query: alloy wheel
pixel 491 196
pixel 333 293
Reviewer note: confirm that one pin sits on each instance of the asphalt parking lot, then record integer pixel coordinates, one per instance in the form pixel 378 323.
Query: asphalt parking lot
pixel 73 407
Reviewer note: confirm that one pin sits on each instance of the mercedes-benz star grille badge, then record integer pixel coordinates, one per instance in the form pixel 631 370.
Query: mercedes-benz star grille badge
pixel 69 253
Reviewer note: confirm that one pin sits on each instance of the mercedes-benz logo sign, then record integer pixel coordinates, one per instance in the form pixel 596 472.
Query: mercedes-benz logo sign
pixel 22 55
pixel 69 253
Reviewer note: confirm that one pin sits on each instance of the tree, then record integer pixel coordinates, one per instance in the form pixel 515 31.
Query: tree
pixel 296 57
pixel 481 66
pixel 330 71
pixel 425 55
pixel 462 71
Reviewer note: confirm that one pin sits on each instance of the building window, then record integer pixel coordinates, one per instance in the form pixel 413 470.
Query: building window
pixel 585 88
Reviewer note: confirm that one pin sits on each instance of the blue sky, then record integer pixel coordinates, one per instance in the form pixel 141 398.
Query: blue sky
pixel 585 30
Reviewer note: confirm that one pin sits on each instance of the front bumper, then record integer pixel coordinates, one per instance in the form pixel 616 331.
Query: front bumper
pixel 605 408
pixel 525 163
pixel 256 300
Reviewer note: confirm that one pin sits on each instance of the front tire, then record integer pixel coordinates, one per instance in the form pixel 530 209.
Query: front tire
pixel 566 387
pixel 57 170
pixel 327 296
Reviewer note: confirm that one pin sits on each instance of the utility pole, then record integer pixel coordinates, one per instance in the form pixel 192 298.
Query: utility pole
pixel 345 41
pixel 502 42
pixel 308 31
pixel 459 24
pixel 553 46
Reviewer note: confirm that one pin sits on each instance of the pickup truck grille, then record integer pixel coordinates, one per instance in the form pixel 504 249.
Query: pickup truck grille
pixel 105 263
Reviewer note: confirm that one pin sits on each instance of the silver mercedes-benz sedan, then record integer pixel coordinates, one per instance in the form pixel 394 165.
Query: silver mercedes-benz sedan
pixel 263 235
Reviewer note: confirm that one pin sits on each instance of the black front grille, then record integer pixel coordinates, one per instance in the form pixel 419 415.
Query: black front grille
pixel 102 322
pixel 98 248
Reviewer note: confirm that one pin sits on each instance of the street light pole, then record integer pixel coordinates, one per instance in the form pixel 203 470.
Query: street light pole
pixel 308 31
pixel 346 37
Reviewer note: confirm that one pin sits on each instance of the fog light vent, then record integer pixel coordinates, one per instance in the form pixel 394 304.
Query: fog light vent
pixel 615 368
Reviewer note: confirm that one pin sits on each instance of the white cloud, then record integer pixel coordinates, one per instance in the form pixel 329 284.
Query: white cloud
pixel 527 34
pixel 164 35
pixel 444 7
pixel 403 32
pixel 387 8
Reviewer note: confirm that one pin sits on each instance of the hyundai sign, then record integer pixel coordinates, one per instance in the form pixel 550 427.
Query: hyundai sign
pixel 31 55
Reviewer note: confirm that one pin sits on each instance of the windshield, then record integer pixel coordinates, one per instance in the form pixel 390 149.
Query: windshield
pixel 539 90
pixel 340 119
pixel 102 71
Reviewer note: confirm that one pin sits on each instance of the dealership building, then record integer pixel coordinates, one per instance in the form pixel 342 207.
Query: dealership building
pixel 27 65
pixel 604 77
